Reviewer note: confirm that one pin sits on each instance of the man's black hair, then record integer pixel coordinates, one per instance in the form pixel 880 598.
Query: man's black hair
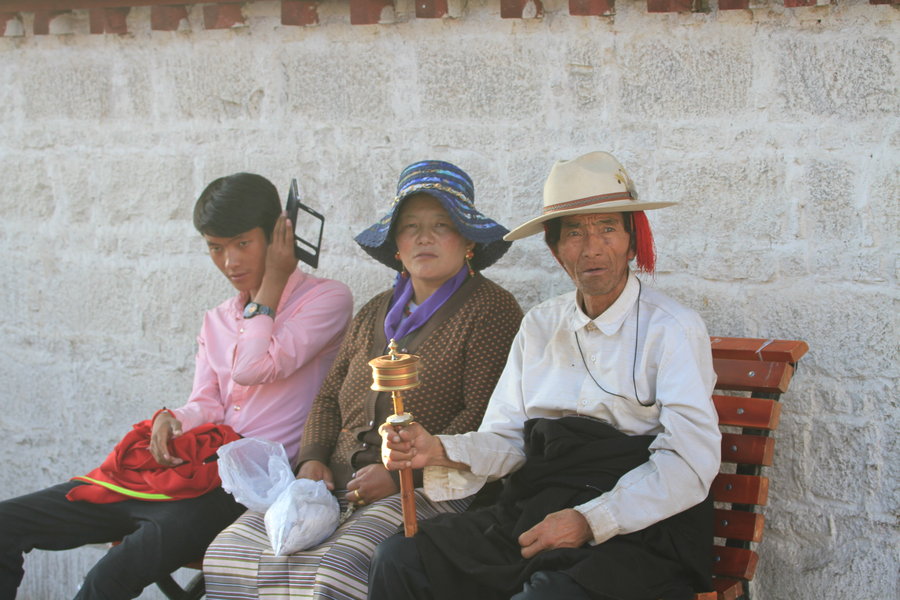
pixel 553 230
pixel 232 205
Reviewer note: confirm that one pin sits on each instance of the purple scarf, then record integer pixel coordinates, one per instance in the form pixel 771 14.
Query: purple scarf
pixel 395 326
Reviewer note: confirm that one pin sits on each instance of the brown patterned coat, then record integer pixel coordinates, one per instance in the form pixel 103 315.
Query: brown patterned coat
pixel 462 351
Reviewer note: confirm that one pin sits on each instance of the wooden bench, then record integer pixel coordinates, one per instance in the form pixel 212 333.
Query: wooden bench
pixel 752 375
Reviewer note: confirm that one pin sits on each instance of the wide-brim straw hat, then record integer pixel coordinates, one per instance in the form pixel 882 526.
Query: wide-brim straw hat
pixel 454 189
pixel 592 183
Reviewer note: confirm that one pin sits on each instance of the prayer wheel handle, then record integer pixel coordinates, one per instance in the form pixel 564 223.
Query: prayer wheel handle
pixel 396 373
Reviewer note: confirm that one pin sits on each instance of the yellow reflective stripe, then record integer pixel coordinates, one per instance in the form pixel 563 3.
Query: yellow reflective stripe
pixel 124 491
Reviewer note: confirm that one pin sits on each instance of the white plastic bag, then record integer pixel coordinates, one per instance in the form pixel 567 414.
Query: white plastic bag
pixel 254 471
pixel 303 516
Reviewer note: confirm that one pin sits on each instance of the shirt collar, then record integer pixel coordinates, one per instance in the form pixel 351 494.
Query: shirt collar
pixel 295 280
pixel 610 320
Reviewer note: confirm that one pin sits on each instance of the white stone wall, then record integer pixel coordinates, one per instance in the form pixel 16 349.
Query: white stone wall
pixel 776 129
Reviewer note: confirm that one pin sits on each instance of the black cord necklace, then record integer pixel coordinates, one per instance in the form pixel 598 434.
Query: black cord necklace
pixel 633 360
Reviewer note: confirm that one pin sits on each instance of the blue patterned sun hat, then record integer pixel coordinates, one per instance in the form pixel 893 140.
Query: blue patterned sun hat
pixel 453 188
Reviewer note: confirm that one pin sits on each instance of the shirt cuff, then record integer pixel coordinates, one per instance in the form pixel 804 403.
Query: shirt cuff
pixel 188 419
pixel 442 484
pixel 600 519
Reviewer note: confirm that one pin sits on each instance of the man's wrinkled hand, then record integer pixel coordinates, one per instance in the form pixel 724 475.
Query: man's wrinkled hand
pixel 410 447
pixel 165 428
pixel 566 528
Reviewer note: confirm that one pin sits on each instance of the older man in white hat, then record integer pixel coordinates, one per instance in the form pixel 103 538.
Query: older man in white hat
pixel 602 425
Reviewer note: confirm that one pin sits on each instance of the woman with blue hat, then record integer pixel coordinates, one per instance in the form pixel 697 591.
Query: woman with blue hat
pixel 442 309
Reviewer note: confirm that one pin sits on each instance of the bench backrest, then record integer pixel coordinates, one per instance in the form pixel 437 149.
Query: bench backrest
pixel 752 375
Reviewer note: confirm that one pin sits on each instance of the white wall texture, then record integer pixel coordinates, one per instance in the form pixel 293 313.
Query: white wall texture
pixel 776 129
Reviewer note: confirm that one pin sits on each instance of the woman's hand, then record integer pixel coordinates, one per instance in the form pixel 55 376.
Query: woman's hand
pixel 317 471
pixel 371 483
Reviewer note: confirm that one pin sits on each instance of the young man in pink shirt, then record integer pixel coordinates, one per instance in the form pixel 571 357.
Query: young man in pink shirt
pixel 262 356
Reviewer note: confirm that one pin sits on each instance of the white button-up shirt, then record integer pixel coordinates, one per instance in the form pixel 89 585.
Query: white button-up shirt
pixel 644 366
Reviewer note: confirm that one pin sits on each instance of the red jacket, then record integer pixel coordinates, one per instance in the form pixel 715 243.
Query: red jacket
pixel 132 470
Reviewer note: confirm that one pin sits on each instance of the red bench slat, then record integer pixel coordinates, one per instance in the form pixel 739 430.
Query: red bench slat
pixel 756 413
pixel 741 489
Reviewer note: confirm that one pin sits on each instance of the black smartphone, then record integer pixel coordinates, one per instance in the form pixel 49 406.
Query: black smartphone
pixel 308 227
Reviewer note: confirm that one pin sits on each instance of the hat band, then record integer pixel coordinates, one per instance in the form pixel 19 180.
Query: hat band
pixel 588 201
pixel 410 189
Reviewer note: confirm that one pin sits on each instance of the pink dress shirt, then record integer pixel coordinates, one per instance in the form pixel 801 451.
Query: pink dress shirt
pixel 260 375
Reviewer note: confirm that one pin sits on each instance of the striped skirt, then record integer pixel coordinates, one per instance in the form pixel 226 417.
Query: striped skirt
pixel 239 564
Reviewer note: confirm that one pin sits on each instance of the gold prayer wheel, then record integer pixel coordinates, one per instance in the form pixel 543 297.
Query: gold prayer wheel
pixel 394 372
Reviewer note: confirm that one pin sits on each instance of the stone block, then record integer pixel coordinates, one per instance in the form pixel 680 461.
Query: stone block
pixel 830 316
pixel 881 214
pixel 667 77
pixel 734 4
pixel 346 82
pixel 168 18
pixel 863 562
pixel 371 12
pixel 841 235
pixel 61 86
pixel 109 20
pixel 585 70
pixel 745 228
pixel 210 83
pixel 852 78
pixel 521 9
pixel 586 8
pixel 499 82
pixel 27 193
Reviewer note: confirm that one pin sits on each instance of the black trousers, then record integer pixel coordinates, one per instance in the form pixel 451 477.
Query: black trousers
pixel 397 573
pixel 157 537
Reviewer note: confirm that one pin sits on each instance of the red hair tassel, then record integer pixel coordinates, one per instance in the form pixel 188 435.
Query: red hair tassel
pixel 643 242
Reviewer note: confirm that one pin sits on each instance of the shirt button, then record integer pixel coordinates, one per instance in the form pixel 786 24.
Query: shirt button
pixel 241 330
pixel 593 358
pixel 591 326
pixel 237 407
